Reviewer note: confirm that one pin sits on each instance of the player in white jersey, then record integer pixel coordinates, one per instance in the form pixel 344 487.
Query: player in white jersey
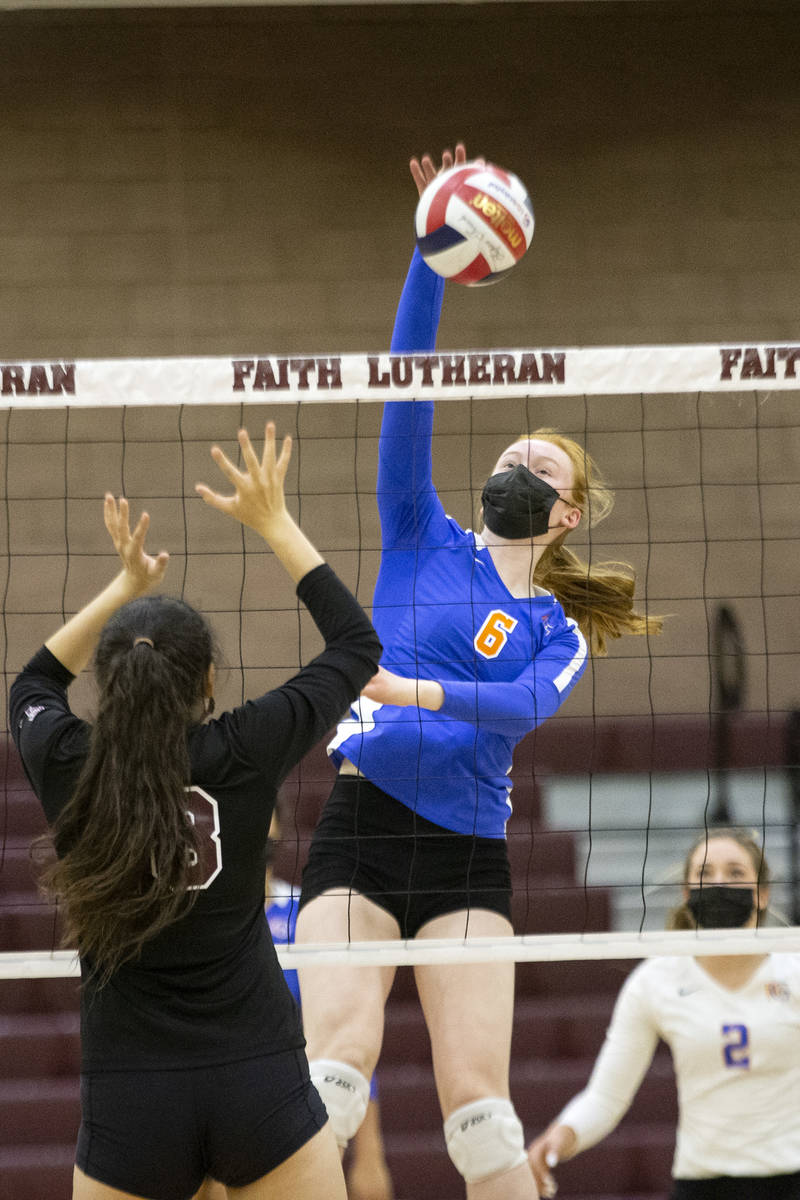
pixel 732 1024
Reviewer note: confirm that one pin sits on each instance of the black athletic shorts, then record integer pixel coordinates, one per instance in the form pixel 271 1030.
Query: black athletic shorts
pixel 368 842
pixel 746 1187
pixel 159 1133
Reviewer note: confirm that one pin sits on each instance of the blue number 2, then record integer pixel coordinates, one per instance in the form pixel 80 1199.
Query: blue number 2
pixel 736 1048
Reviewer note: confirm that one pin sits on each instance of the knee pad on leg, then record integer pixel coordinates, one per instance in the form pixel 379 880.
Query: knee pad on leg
pixel 485 1138
pixel 345 1093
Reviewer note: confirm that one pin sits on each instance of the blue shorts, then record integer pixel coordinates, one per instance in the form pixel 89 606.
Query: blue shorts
pixel 375 845
pixel 160 1133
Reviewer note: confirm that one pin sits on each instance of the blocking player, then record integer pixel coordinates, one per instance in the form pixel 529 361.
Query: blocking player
pixel 193 1055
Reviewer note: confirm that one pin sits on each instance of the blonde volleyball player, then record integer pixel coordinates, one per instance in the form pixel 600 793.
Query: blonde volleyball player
pixel 485 635
pixel 733 1027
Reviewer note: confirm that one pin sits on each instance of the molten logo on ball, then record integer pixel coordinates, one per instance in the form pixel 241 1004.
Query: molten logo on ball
pixel 500 219
pixel 473 223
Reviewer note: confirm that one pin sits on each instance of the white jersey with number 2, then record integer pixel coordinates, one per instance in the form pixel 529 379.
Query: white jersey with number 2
pixel 736 1054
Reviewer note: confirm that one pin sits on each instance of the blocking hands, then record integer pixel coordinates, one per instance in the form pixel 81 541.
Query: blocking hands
pixel 258 500
pixel 144 570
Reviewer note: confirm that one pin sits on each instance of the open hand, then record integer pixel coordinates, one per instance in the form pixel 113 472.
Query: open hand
pixel 258 500
pixel 144 570
pixel 424 170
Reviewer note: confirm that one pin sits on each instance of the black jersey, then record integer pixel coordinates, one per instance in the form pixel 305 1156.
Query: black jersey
pixel 208 988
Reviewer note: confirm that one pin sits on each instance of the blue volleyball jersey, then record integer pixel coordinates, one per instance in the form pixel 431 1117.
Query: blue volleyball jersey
pixel 442 612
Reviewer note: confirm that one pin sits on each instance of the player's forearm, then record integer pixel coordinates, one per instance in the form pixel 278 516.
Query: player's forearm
pixel 73 644
pixel 291 547
pixel 621 1066
pixel 418 312
pixel 426 693
pixel 591 1117
pixel 388 688
pixel 518 705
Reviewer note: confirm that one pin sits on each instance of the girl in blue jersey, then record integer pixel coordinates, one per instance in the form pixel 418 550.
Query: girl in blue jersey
pixel 478 651
pixel 192 1052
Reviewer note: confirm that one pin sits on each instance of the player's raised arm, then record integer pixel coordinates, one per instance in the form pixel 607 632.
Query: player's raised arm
pixel 259 502
pixel 141 572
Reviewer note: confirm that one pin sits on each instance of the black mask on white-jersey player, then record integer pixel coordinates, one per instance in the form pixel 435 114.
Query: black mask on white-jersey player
pixel 721 906
pixel 517 503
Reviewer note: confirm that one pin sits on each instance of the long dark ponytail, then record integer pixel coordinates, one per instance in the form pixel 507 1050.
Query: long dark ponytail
pixel 124 843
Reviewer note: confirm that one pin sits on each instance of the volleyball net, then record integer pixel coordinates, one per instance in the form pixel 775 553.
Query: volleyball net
pixel 665 738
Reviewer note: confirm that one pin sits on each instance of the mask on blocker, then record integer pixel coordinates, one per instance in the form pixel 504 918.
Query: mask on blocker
pixel 517 503
pixel 720 907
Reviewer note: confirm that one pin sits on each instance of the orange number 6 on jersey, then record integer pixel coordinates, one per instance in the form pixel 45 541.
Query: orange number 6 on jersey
pixel 493 633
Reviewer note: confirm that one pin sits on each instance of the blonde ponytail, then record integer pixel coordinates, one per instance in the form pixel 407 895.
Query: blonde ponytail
pixel 597 596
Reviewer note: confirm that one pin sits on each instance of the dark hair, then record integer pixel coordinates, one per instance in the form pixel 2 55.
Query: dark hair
pixel 680 917
pixel 124 842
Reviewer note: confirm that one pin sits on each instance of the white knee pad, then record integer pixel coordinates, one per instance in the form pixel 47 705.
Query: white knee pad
pixel 345 1093
pixel 485 1138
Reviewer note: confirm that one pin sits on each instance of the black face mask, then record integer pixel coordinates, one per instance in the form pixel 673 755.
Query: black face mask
pixel 721 907
pixel 517 503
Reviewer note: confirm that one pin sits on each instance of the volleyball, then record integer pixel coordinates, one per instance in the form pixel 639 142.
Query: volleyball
pixel 473 223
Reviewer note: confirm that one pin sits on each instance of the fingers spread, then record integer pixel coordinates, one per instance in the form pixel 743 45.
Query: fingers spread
pixel 109 512
pixel 138 535
pixel 285 455
pixel 418 175
pixel 224 503
pixel 225 465
pixel 248 453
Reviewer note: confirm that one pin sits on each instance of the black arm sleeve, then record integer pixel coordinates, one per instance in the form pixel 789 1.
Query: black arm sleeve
pixel 51 741
pixel 344 625
pixel 42 680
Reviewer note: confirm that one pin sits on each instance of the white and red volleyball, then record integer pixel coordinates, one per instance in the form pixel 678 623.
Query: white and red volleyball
pixel 473 223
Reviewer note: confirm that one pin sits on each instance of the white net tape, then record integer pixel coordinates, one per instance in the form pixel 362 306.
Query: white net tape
pixel 478 374
pixel 427 951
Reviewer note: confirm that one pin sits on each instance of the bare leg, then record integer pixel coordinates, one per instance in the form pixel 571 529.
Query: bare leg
pixel 469 1012
pixel 367 1172
pixel 343 1006
pixel 211 1190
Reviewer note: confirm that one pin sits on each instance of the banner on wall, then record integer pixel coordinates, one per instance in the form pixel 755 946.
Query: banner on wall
pixel 454 375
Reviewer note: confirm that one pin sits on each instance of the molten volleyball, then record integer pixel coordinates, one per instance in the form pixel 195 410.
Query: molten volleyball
pixel 473 223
